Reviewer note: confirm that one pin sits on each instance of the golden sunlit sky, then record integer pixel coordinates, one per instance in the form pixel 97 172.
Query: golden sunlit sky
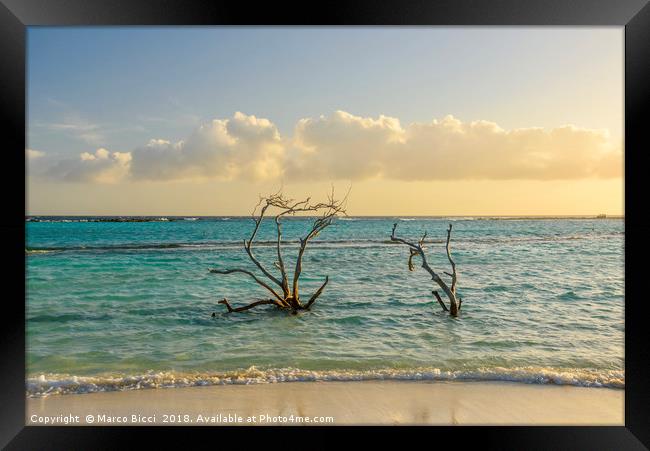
pixel 415 120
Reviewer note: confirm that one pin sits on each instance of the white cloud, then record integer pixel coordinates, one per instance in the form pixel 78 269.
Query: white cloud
pixel 344 146
pixel 34 154
pixel 101 166
pixel 76 126
pixel 240 147
pixel 449 149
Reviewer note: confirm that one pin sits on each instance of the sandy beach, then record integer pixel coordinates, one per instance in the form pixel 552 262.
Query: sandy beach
pixel 338 403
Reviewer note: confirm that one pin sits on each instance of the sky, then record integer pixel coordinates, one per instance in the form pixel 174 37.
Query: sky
pixel 413 120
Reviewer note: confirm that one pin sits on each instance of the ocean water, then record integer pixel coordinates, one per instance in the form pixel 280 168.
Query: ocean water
pixel 128 305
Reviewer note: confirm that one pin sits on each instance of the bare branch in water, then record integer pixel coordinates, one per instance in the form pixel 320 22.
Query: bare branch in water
pixel 316 294
pixel 253 276
pixel 417 249
pixel 249 306
pixel 283 206
pixel 439 299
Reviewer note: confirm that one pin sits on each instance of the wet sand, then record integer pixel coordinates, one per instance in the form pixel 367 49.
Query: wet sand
pixel 346 403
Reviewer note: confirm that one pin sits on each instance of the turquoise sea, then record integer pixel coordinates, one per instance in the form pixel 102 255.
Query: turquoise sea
pixel 115 305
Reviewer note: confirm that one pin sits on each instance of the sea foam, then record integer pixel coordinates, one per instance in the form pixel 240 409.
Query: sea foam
pixel 48 384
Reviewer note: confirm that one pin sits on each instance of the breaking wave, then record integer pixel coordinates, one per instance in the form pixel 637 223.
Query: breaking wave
pixel 318 243
pixel 51 384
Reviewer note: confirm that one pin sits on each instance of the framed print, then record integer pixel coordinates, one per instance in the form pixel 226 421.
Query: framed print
pixel 379 215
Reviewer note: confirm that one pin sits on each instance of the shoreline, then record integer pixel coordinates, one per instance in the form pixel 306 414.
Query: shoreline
pixel 346 403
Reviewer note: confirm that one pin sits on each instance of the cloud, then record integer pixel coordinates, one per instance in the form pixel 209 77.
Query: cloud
pixel 34 154
pixel 446 149
pixel 101 166
pixel 347 147
pixel 77 127
pixel 241 147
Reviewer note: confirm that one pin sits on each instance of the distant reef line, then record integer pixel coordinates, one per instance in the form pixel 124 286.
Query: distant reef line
pixel 170 218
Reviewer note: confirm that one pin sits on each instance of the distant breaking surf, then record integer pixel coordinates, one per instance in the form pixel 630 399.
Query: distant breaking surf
pixel 317 243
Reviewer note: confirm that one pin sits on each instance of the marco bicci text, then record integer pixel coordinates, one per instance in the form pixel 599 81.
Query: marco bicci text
pixel 174 418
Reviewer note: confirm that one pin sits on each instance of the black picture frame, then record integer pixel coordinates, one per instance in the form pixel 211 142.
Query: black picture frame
pixel 16 15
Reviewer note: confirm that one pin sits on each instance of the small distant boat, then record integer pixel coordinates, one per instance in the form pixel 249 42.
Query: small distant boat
pixel 601 216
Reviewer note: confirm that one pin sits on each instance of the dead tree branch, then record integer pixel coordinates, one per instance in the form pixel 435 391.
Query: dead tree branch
pixel 417 249
pixel 249 306
pixel 316 294
pixel 439 299
pixel 283 206
pixel 253 276
pixel 453 265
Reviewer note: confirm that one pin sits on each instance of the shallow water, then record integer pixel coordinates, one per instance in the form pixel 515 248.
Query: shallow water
pixel 116 305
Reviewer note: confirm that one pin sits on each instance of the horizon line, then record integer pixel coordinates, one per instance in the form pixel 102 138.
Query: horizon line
pixel 549 216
